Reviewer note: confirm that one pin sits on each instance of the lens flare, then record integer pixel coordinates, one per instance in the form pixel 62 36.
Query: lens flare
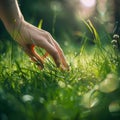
pixel 88 3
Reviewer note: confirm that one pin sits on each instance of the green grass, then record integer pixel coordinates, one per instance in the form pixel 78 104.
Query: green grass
pixel 26 93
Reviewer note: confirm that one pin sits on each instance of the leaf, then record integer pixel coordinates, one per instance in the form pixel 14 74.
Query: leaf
pixel 40 24
pixel 93 31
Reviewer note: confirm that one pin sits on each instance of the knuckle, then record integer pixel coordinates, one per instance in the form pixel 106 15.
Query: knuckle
pixel 47 34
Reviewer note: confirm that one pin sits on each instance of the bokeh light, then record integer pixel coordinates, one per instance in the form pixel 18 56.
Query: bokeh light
pixel 88 3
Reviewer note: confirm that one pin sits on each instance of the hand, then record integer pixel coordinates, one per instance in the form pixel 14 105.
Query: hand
pixel 29 36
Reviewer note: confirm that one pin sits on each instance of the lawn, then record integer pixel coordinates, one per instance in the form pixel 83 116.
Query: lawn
pixel 88 91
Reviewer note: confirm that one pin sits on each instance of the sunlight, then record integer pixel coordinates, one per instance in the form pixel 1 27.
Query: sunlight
pixel 88 3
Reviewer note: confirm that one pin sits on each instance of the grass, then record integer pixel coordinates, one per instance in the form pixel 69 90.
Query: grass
pixel 51 94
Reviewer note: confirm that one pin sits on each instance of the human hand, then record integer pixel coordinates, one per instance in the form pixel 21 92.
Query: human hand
pixel 29 36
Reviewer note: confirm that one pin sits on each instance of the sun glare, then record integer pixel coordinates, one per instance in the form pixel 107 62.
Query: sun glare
pixel 88 3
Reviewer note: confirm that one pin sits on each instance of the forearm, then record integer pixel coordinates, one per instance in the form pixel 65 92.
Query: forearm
pixel 10 14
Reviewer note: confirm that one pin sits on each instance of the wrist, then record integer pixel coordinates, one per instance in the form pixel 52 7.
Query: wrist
pixel 14 26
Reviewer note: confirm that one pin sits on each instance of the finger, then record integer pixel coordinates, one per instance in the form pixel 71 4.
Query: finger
pixel 32 49
pixel 53 53
pixel 39 60
pixel 62 57
pixel 29 49
pixel 45 41
pixel 50 48
pixel 63 60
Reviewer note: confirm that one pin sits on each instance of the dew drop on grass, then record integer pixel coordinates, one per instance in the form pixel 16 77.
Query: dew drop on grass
pixel 27 98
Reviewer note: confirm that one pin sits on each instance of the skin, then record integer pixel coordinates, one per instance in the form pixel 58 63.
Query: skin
pixel 29 36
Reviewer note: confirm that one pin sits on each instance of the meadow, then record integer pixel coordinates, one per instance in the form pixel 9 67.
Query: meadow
pixel 88 91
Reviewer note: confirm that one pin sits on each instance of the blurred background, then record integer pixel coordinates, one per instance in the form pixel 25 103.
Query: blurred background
pixel 63 18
